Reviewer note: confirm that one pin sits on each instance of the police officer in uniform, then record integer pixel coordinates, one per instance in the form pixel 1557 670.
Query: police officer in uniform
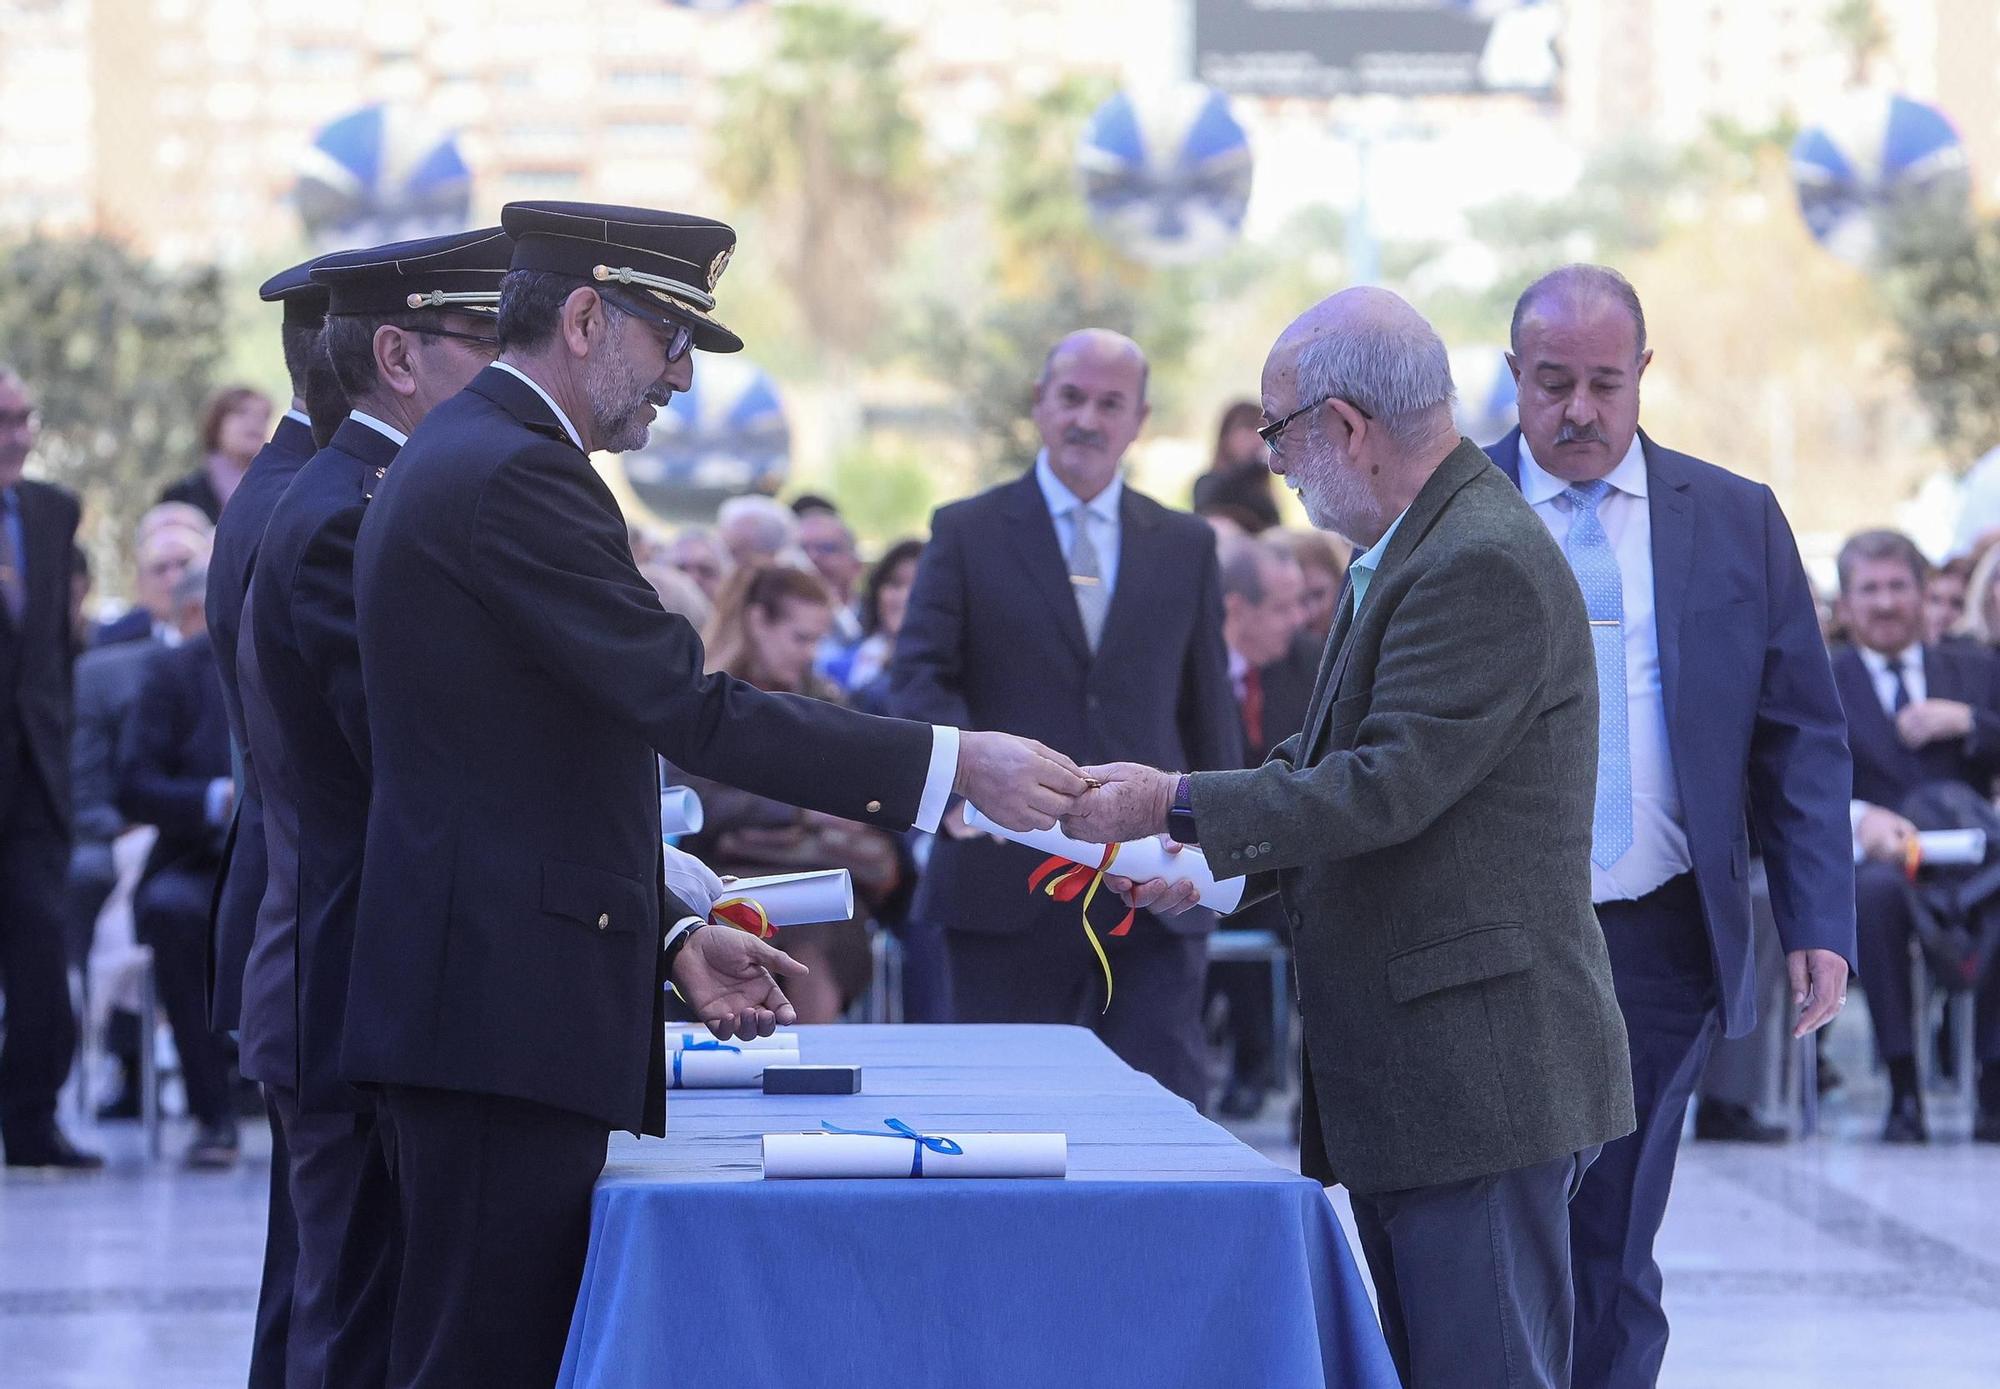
pixel 407 326
pixel 239 887
pixel 513 938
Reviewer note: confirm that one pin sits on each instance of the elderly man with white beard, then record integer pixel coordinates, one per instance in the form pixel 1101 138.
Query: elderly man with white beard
pixel 1428 832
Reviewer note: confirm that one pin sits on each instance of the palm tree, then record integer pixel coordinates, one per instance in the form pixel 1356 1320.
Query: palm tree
pixel 818 145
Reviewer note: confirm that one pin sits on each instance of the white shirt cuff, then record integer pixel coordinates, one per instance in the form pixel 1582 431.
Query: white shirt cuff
pixel 216 808
pixel 1855 810
pixel 681 928
pixel 938 782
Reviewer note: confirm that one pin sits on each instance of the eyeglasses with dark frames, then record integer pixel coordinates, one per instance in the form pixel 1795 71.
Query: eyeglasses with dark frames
pixel 1269 432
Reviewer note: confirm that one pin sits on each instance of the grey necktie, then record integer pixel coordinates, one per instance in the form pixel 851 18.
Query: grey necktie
pixel 1086 578
pixel 13 582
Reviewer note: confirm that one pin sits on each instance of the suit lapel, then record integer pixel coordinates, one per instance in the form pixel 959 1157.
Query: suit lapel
pixel 1032 532
pixel 1671 510
pixel 1142 563
pixel 1330 660
pixel 1867 720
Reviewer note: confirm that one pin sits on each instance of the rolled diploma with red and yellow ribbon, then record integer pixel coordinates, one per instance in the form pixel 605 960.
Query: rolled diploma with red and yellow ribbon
pixel 1140 860
pixel 760 905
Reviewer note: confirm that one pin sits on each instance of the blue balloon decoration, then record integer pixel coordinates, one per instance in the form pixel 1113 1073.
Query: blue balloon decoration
pixel 380 174
pixel 1167 174
pixel 1876 159
pixel 725 435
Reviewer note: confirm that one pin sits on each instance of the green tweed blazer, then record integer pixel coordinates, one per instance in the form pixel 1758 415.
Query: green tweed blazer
pixel 1428 831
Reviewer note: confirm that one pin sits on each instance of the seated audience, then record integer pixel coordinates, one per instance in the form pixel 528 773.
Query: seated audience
pixel 756 529
pixel 1238 484
pixel 174 773
pixel 884 600
pixel 766 628
pixel 1917 713
pixel 697 553
pixel 1945 599
pixel 234 426
pixel 1323 561
pixel 169 538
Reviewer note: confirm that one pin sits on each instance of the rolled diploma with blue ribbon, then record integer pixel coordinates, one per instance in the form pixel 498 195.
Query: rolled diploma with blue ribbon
pixel 805 1155
pixel 721 1066
pixel 685 1038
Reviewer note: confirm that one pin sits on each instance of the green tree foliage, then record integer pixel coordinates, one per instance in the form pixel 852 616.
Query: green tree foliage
pixel 1945 289
pixel 1049 273
pixel 818 145
pixel 120 355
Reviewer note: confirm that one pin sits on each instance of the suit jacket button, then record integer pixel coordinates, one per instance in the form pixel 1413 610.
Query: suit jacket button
pixel 1264 848
pixel 1236 853
pixel 604 921
pixel 874 807
pixel 1250 851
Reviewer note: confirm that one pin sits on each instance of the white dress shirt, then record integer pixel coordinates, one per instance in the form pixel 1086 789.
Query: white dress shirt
pixel 1105 530
pixel 1882 674
pixel 944 741
pixel 1882 670
pixel 300 416
pixel 382 427
pixel 1659 849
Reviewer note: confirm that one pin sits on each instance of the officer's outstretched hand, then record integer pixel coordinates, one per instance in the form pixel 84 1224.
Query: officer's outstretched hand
pixel 729 978
pixel 1016 781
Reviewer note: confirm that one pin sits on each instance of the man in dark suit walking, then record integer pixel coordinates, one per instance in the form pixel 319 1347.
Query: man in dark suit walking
pixel 37 651
pixel 1428 832
pixel 239 887
pixel 512 940
pixel 1918 713
pixel 1717 720
pixel 300 678
pixel 1070 608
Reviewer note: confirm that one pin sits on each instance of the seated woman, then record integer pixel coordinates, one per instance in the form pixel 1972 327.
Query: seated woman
pixel 884 600
pixel 768 623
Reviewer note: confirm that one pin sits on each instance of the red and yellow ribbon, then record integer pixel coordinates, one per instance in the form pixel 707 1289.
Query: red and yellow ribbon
pixel 1913 857
pixel 1075 880
pixel 744 915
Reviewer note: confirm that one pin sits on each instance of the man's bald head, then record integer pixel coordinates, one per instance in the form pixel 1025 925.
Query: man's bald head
pixel 1089 405
pixel 1365 383
pixel 1575 290
pixel 1369 348
pixel 1100 345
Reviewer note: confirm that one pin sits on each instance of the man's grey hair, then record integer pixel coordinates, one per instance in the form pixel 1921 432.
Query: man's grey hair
pixel 1399 373
pixel 766 525
pixel 1244 560
pixel 1580 284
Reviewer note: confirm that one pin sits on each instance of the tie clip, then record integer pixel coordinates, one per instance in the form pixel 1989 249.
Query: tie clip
pixel 1606 622
pixel 1089 579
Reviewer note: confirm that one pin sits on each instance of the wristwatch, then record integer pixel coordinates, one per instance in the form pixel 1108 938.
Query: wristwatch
pixel 1180 816
pixel 677 942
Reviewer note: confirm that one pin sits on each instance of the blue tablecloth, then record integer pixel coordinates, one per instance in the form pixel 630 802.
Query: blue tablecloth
pixel 1172 1255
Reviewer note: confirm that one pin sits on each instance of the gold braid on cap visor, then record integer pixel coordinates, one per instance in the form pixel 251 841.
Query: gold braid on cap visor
pixel 686 294
pixel 471 301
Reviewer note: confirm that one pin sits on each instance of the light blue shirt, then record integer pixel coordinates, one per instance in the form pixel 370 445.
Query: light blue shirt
pixel 1105 530
pixel 1659 838
pixel 17 538
pixel 1361 569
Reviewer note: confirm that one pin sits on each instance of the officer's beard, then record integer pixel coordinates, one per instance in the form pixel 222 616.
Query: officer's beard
pixel 619 410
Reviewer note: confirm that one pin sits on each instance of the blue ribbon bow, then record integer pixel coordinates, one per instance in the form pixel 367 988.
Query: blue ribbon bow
pixel 697 1046
pixel 943 1147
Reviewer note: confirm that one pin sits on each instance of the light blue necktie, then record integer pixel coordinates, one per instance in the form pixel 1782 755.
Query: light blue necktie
pixel 1596 568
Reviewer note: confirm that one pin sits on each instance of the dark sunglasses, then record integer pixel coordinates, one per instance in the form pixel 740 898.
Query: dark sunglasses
pixel 1269 432
pixel 676 337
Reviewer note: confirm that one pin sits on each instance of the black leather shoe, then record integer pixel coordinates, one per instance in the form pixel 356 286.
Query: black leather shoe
pixel 1241 1101
pixel 1906 1121
pixel 49 1148
pixel 123 1105
pixel 214 1148
pixel 1723 1121
pixel 1986 1126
